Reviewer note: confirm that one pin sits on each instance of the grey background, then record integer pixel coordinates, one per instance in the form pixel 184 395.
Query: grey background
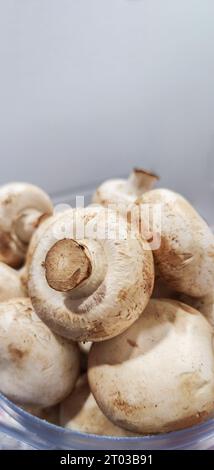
pixel 89 88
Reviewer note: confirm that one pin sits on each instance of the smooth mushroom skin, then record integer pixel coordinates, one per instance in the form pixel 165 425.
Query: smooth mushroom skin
pixel 10 283
pixel 111 296
pixel 185 258
pixel 22 206
pixel 80 412
pixel 158 376
pixel 125 191
pixel 37 368
pixel 205 305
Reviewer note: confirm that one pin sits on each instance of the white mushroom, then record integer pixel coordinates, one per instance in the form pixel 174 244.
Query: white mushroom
pixel 90 288
pixel 125 191
pixel 80 412
pixel 22 207
pixel 158 376
pixel 10 283
pixel 37 368
pixel 185 258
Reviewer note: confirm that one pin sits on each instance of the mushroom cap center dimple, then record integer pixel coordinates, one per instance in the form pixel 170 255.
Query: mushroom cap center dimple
pixel 67 265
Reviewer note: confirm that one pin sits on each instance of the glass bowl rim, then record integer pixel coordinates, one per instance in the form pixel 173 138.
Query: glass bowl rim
pixel 23 417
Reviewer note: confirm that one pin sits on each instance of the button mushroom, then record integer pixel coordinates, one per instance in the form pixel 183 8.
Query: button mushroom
pixel 21 207
pixel 80 412
pixel 90 288
pixel 10 283
pixel 185 258
pixel 158 376
pixel 37 368
pixel 125 191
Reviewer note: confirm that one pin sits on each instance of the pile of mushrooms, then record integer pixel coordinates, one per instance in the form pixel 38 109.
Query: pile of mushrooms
pixel 101 330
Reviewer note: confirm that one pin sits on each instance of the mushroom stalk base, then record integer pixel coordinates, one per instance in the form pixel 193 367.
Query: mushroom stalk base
pixel 67 265
pixel 141 180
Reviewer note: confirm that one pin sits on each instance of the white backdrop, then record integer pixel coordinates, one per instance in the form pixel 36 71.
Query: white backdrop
pixel 89 88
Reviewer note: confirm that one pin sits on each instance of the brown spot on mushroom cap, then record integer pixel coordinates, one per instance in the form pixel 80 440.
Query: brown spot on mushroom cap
pixel 122 295
pixel 123 405
pixel 17 354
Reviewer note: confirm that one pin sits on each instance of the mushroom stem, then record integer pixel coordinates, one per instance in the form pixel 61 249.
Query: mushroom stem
pixel 67 265
pixel 142 180
pixel 26 223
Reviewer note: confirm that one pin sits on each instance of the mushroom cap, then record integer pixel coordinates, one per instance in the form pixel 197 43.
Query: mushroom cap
pixel 15 200
pixel 80 412
pixel 104 305
pixel 122 192
pixel 10 283
pixel 37 368
pixel 185 258
pixel 158 376
pixel 114 191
